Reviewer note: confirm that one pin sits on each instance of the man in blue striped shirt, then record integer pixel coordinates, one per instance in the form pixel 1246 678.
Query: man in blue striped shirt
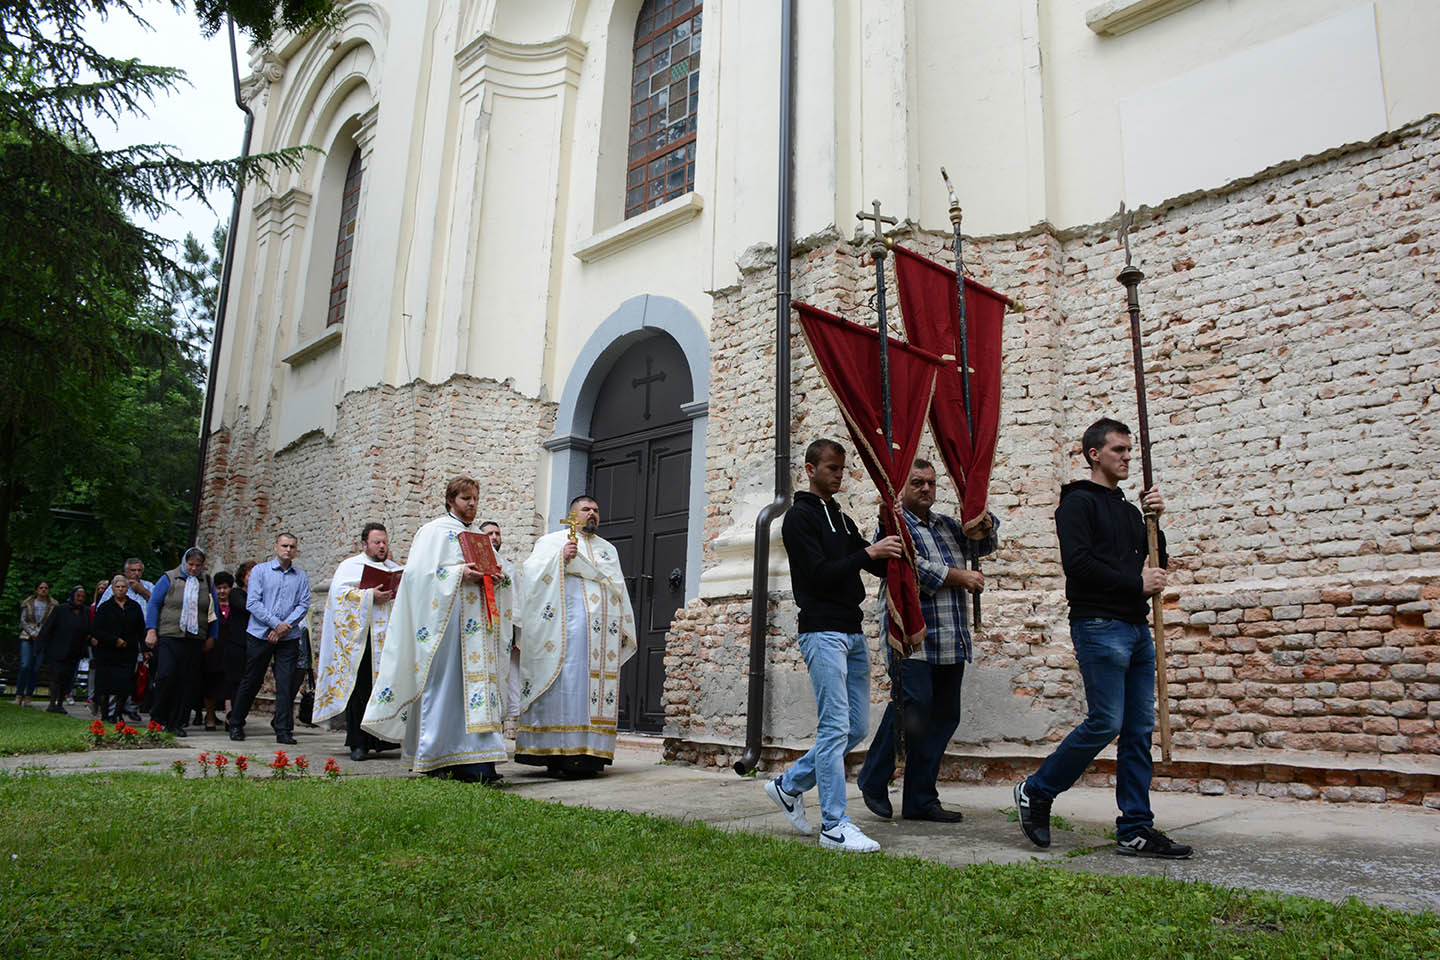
pixel 930 678
pixel 277 599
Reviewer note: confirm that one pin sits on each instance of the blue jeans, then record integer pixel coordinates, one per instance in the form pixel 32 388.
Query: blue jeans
pixel 932 712
pixel 839 665
pixel 25 680
pixel 1117 661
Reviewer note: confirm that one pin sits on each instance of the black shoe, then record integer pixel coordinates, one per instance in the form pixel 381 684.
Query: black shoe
pixel 938 814
pixel 132 714
pixel 237 733
pixel 1034 816
pixel 1149 842
pixel 358 754
pixel 55 708
pixel 286 739
pixel 878 804
pixel 179 732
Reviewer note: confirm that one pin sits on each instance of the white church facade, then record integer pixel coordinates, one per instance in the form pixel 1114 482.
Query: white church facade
pixel 537 246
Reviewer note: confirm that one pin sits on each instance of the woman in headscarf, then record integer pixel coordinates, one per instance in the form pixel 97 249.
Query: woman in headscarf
pixel 34 611
pixel 115 635
pixel 66 640
pixel 177 621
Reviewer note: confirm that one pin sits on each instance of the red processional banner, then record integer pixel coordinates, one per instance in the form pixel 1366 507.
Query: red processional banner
pixel 932 323
pixel 848 356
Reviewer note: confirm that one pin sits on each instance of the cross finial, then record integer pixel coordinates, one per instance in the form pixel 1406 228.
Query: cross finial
pixel 1126 218
pixel 877 218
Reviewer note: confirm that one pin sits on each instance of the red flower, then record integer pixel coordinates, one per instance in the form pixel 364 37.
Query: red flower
pixel 332 769
pixel 220 760
pixel 243 762
pixel 97 728
pixel 301 763
pixel 281 761
pixel 129 731
pixel 152 726
pixel 204 759
pixel 119 726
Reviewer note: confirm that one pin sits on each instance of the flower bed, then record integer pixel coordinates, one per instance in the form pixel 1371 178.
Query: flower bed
pixel 122 736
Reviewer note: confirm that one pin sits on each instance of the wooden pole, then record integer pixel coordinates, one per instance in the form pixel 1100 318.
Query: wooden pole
pixel 1131 276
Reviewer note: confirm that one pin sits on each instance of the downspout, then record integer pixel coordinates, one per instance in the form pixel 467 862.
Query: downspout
pixel 760 580
pixel 222 301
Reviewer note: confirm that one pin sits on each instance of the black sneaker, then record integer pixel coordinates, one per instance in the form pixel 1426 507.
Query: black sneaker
pixel 1034 816
pixel 1149 842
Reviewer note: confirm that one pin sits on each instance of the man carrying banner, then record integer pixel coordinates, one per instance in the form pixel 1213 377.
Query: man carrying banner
pixel 351 638
pixel 1107 582
pixel 931 676
pixel 826 554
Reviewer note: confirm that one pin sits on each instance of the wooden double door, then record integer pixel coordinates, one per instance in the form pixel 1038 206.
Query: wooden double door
pixel 639 473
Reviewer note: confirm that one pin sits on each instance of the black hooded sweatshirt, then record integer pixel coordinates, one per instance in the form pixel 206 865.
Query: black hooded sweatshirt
pixel 1103 548
pixel 826 554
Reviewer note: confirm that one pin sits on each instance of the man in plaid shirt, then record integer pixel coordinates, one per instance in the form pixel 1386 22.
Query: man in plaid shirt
pixel 930 678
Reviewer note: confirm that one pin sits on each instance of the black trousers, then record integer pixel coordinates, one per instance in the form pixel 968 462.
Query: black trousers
pixel 62 679
pixel 177 673
pixel 258 654
pixel 932 712
pixel 355 708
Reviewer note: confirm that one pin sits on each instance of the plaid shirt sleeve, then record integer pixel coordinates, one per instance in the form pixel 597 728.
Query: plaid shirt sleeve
pixel 940 545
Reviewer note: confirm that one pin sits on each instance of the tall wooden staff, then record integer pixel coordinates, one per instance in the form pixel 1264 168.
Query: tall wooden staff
pixel 878 250
pixel 955 215
pixel 1131 277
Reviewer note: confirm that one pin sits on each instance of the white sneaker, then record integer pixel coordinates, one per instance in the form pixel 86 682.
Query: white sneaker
pixel 792 806
pixel 847 837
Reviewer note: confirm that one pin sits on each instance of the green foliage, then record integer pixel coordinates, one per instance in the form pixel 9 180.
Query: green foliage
pixel 26 730
pixel 385 868
pixel 101 334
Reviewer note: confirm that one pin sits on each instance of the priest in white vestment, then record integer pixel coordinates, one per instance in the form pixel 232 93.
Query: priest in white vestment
pixel 351 638
pixel 577 629
pixel 440 690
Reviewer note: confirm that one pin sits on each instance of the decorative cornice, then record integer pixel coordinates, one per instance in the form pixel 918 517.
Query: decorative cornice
pixel 520 66
pixel 1115 17
pixel 267 70
pixel 640 227
pixel 570 441
pixel 695 409
pixel 282 211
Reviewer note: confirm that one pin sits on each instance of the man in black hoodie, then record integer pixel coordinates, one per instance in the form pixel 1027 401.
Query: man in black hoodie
pixel 1108 581
pixel 826 554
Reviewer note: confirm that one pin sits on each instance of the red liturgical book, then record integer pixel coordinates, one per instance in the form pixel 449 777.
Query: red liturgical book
pixel 378 577
pixel 477 550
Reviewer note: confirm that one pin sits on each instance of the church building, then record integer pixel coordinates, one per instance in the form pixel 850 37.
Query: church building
pixel 537 245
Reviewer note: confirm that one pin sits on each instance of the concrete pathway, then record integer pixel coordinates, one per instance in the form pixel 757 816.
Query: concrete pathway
pixel 1386 855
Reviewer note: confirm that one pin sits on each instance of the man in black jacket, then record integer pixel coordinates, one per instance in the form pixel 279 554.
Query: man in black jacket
pixel 827 554
pixel 1108 581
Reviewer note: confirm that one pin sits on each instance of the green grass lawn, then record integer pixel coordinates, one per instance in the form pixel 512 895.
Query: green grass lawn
pixel 29 730
pixel 147 865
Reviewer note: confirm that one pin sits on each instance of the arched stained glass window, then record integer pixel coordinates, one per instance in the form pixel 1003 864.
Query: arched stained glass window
pixel 665 88
pixel 345 242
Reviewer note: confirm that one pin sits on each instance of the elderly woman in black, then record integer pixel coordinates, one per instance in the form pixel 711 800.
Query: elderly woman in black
pixel 115 636
pixel 66 639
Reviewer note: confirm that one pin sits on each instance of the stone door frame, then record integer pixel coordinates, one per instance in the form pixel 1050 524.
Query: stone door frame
pixel 637 318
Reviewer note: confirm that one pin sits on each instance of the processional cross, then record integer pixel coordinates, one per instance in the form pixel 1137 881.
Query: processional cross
pixel 878 249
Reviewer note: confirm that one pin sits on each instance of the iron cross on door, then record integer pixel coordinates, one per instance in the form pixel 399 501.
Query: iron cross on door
pixel 646 381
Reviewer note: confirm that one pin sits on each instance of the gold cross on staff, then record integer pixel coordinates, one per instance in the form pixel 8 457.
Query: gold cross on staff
pixel 862 215
pixel 573 522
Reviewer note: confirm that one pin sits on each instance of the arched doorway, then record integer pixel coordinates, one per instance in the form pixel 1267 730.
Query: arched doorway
pixel 639 471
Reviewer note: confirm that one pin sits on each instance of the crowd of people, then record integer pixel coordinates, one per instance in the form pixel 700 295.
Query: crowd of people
pixel 433 657
pixel 173 648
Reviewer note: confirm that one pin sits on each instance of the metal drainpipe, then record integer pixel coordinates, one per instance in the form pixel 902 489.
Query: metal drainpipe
pixel 223 299
pixel 760 581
